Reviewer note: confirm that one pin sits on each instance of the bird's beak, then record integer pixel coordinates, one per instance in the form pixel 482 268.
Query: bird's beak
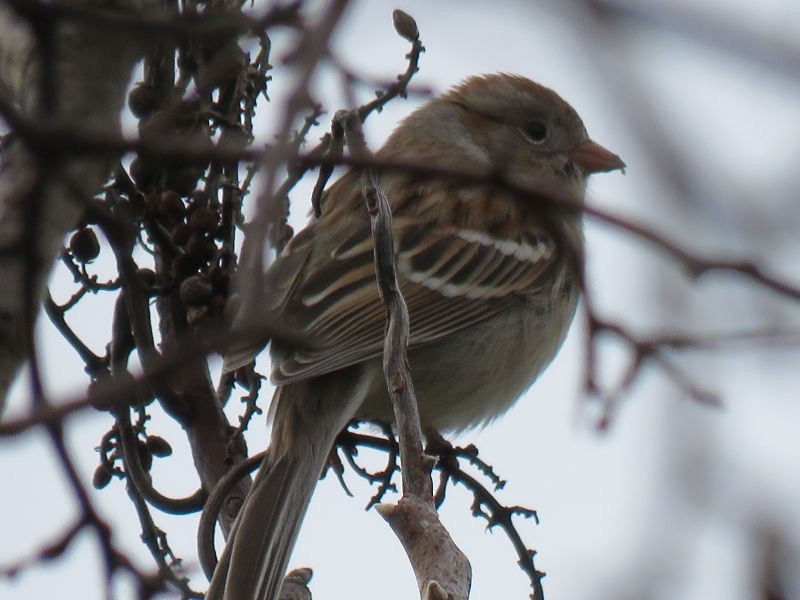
pixel 591 157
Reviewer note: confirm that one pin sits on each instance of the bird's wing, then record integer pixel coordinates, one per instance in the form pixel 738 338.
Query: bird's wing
pixel 450 278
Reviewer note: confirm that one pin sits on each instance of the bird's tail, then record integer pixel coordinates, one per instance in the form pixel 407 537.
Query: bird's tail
pixel 278 502
pixel 308 417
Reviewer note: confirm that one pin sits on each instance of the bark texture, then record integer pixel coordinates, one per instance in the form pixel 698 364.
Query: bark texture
pixel 57 76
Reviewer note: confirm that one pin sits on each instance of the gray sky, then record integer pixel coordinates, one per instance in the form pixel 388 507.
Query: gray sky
pixel 671 495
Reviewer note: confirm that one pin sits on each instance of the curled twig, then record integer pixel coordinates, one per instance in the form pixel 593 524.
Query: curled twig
pixel 211 510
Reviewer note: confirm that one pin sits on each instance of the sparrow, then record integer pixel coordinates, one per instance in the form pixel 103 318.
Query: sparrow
pixel 489 279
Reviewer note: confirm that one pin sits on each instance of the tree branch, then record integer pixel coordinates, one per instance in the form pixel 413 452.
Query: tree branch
pixel 441 569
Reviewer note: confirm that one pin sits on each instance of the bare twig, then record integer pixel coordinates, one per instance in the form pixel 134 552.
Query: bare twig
pixel 270 210
pixel 348 443
pixel 208 519
pixel 442 570
pixel 407 28
pixel 95 365
pixel 744 42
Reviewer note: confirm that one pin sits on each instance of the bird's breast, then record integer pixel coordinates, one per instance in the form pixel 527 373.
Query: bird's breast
pixel 473 376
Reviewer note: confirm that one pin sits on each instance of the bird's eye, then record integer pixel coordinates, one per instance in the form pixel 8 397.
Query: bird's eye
pixel 535 131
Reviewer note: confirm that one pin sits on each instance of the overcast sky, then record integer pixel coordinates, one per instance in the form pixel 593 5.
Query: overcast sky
pixel 670 501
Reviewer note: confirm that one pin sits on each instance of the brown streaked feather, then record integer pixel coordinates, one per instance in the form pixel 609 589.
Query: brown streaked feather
pixel 450 280
pixel 286 273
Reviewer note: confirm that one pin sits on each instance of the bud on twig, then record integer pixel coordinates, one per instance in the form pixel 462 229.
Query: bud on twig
pixel 405 25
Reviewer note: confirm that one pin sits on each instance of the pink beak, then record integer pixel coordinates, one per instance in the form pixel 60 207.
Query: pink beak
pixel 591 157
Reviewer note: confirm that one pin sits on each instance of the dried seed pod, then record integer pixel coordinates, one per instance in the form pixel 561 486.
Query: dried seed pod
pixel 196 290
pixel 142 100
pixel 187 112
pixel 227 59
pixel 204 220
pixel 180 234
pixel 286 234
pixel 84 245
pixel 158 124
pixel 102 477
pixel 184 179
pixel 171 209
pixel 148 278
pixel 185 266
pixel 94 393
pixel 158 446
pixel 201 248
pixel 143 172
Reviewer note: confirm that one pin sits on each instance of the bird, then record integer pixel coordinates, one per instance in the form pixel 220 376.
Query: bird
pixel 488 275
